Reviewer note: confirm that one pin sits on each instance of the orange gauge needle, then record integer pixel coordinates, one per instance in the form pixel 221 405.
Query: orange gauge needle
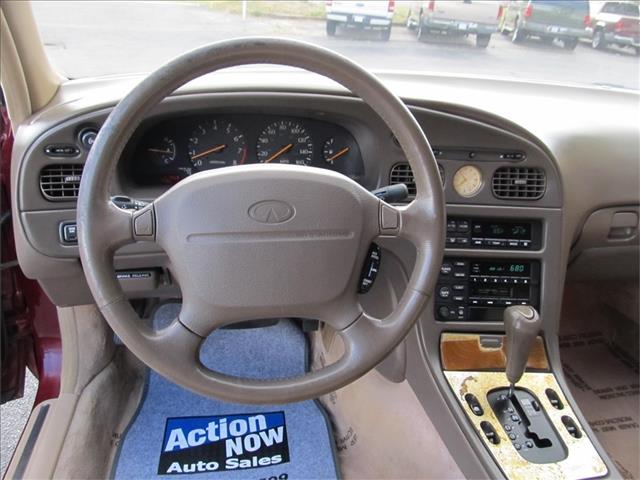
pixel 207 152
pixel 157 150
pixel 284 149
pixel 338 154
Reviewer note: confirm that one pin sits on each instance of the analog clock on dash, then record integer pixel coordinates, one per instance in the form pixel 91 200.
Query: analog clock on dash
pixel 467 181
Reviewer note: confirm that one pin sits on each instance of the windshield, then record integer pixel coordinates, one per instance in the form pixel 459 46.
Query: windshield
pixel 621 8
pixel 569 42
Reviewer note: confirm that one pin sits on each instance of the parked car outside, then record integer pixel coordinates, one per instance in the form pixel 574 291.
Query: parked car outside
pixel 369 15
pixel 455 18
pixel 616 23
pixel 549 20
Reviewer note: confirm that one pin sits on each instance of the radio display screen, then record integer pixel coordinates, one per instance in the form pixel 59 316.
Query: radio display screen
pixel 516 292
pixel 502 230
pixel 503 269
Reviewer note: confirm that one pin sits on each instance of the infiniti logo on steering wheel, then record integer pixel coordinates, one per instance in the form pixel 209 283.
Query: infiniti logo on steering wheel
pixel 271 211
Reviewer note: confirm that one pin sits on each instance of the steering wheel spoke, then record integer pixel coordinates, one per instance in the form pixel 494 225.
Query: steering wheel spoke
pixel 204 318
pixel 168 350
pixel 365 337
pixel 115 227
pixel 407 221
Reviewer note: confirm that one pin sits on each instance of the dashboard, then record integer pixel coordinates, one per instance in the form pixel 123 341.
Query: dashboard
pixel 514 174
pixel 165 152
pixel 521 165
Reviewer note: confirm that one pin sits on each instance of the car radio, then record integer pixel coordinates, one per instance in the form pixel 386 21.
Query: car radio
pixel 479 290
pixel 484 233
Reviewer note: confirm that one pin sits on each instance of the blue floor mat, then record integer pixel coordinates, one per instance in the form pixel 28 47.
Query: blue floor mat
pixel 176 432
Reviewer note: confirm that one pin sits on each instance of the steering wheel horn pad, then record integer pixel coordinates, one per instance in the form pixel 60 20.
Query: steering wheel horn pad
pixel 266 241
pixel 260 241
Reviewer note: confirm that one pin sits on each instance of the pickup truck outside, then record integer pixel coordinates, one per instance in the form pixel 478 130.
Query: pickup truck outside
pixel 548 20
pixel 369 15
pixel 616 23
pixel 455 18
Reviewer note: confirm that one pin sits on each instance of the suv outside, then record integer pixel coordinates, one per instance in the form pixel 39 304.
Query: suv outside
pixel 617 23
pixel 564 20
pixel 370 15
pixel 455 18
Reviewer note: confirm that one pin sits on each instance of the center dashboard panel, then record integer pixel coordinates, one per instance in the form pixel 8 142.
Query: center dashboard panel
pixel 479 289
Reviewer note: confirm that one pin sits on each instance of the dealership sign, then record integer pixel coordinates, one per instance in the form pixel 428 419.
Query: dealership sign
pixel 222 443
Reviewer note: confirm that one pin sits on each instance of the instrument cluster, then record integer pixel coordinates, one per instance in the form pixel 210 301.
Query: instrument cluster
pixel 168 151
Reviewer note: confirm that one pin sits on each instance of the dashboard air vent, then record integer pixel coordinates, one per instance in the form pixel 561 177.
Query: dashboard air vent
pixel 61 181
pixel 401 173
pixel 519 183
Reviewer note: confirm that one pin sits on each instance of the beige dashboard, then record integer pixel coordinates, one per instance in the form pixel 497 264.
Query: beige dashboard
pixel 582 140
pixel 562 160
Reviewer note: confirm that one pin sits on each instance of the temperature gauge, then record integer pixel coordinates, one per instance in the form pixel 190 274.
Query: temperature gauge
pixel 164 152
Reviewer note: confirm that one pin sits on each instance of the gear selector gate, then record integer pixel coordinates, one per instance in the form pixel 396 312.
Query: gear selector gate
pixel 527 425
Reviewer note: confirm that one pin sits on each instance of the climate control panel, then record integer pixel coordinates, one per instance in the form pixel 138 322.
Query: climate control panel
pixel 481 233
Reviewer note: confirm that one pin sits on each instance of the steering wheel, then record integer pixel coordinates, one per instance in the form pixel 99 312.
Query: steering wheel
pixel 260 241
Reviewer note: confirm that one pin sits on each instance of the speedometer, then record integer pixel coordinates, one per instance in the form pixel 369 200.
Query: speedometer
pixel 285 141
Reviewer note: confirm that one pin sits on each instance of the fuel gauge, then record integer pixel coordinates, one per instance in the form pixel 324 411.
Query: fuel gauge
pixel 334 151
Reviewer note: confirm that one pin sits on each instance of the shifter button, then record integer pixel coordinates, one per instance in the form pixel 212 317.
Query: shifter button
pixel 554 399
pixel 571 426
pixel 490 433
pixel 474 405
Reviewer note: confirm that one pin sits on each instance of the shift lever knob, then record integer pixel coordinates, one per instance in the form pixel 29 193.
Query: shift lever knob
pixel 521 324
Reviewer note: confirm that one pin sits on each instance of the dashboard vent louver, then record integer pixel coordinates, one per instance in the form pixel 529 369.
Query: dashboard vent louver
pixel 519 183
pixel 401 173
pixel 61 181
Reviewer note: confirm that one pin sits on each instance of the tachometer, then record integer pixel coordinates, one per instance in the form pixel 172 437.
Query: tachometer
pixel 215 144
pixel 285 141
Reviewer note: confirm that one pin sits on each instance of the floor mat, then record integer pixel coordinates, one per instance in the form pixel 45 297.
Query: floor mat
pixel 382 431
pixel 598 349
pixel 604 382
pixel 178 432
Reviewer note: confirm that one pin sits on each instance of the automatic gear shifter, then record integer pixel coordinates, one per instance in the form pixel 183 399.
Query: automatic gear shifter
pixel 521 324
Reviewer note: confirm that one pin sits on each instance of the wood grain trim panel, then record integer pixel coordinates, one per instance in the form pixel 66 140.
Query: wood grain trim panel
pixel 464 351
pixel 582 461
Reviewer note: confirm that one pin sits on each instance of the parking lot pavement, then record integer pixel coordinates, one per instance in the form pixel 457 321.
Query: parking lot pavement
pixel 87 39
pixel 13 418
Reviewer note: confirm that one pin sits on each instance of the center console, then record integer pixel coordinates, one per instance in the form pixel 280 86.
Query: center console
pixel 532 433
pixel 497 258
